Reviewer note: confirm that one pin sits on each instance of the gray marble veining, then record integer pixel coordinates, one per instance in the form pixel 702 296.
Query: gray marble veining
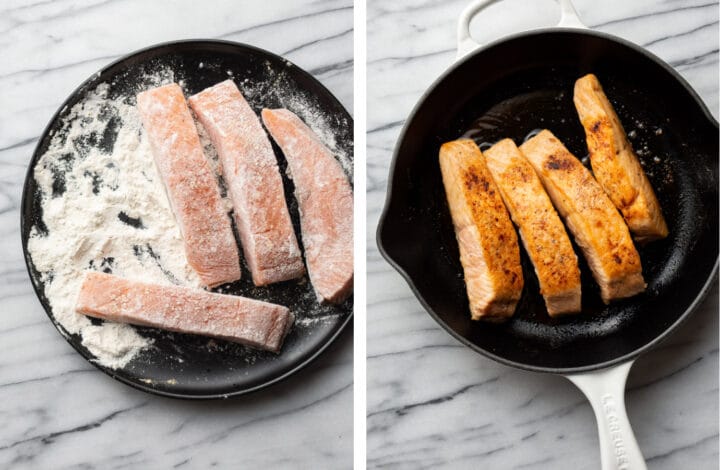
pixel 56 410
pixel 433 403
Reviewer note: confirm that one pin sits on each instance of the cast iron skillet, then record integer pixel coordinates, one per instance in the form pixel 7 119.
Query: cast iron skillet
pixel 187 366
pixel 509 89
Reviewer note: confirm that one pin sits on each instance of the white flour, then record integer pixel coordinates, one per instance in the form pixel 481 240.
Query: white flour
pixel 88 219
pixel 84 226
pixel 306 108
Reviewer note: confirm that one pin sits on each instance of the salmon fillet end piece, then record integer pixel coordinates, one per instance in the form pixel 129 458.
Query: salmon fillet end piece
pixel 623 287
pixel 542 232
pixel 489 251
pixel 190 185
pixel 246 321
pixel 597 226
pixel 325 201
pixel 560 304
pixel 254 183
pixel 615 164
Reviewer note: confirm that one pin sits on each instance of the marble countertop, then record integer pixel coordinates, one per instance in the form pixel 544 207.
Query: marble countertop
pixel 58 411
pixel 433 403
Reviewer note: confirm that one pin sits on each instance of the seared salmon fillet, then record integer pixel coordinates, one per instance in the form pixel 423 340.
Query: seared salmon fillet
pixel 250 322
pixel 190 184
pixel 325 200
pixel 541 230
pixel 253 179
pixel 599 230
pixel 615 164
pixel 489 251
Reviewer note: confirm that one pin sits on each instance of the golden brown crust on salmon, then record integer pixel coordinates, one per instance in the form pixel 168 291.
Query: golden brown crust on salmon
pixel 614 163
pixel 489 250
pixel 541 230
pixel 599 230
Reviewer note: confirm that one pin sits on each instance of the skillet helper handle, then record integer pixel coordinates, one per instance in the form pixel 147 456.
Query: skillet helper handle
pixel 466 44
pixel 605 389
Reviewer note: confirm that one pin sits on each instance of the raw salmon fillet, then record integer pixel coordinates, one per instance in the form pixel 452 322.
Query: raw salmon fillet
pixel 325 200
pixel 190 184
pixel 615 164
pixel 541 230
pixel 599 230
pixel 489 251
pixel 254 183
pixel 250 322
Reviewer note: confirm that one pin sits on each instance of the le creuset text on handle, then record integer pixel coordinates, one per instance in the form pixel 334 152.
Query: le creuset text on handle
pixel 605 389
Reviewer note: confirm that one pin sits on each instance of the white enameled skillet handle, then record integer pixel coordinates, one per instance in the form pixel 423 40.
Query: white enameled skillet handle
pixel 465 43
pixel 569 17
pixel 605 389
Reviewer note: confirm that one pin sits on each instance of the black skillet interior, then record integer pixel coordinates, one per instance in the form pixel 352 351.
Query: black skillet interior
pixel 510 89
pixel 189 366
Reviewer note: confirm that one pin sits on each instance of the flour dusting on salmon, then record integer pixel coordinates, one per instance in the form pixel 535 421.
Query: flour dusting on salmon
pixel 250 322
pixel 325 200
pixel 191 185
pixel 253 179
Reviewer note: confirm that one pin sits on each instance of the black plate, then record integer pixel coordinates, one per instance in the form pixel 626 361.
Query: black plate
pixel 509 89
pixel 187 366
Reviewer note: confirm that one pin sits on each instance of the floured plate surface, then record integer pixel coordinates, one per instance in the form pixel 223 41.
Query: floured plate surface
pixel 180 365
